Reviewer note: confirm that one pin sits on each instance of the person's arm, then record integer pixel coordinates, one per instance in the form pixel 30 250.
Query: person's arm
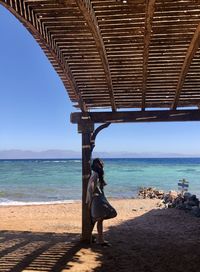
pixel 92 183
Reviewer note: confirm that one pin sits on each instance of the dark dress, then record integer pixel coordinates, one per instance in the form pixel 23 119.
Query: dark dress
pixel 100 207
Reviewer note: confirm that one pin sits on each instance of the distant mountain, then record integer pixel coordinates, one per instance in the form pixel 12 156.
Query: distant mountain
pixel 64 154
pixel 47 154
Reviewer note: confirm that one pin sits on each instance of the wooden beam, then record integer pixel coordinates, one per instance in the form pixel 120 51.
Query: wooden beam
pixel 51 54
pixel 150 7
pixel 87 225
pixel 139 116
pixel 193 47
pixel 86 9
pixel 94 135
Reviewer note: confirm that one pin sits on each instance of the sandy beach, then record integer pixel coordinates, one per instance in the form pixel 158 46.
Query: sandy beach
pixel 144 237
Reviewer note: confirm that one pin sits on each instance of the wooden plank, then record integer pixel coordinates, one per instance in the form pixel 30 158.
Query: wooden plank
pixel 139 116
pixel 86 161
pixel 150 7
pixel 88 12
pixel 193 47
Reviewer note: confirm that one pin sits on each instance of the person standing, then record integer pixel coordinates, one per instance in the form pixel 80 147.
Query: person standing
pixel 100 208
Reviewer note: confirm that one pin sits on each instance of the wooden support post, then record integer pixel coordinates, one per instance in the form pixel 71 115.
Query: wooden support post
pixel 86 129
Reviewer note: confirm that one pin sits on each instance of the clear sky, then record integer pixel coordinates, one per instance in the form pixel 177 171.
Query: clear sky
pixel 35 108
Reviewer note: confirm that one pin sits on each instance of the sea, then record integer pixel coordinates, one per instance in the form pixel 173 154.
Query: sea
pixel 42 181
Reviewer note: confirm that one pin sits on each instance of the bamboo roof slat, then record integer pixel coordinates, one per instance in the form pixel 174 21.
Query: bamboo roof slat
pixel 119 54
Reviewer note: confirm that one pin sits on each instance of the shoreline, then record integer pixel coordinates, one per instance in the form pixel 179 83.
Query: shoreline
pixel 66 217
pixel 138 196
pixel 14 203
pixel 36 203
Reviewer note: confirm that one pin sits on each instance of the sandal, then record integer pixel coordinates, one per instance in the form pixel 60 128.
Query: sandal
pixel 105 244
pixel 93 239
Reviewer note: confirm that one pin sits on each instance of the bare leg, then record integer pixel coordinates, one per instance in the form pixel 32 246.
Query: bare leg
pixel 100 231
pixel 93 239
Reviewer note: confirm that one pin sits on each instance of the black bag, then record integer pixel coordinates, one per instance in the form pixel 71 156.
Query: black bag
pixel 100 207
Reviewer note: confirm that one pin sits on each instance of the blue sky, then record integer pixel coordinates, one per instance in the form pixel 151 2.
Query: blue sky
pixel 35 108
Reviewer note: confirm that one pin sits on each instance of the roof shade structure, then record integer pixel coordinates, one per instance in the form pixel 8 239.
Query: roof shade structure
pixel 119 54
pixel 134 55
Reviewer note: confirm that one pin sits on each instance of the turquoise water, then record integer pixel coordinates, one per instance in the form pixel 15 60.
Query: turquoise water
pixel 60 180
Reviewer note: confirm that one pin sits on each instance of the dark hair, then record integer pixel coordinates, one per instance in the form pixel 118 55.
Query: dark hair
pixel 97 166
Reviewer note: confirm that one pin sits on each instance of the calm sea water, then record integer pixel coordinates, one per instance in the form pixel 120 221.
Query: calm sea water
pixel 60 180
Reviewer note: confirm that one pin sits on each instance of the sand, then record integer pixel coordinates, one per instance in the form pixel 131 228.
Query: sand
pixel 144 237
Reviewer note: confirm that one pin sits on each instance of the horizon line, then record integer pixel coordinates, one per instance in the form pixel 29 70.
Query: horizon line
pixel 80 158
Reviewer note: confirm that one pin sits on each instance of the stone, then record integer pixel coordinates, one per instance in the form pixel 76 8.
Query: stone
pixel 187 195
pixel 192 203
pixel 195 211
pixel 151 193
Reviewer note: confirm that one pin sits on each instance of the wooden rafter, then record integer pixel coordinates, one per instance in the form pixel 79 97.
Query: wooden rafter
pixel 193 47
pixel 88 12
pixel 147 36
pixel 49 51
pixel 139 116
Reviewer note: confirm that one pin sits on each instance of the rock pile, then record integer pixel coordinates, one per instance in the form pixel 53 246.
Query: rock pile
pixel 173 199
pixel 187 202
pixel 149 192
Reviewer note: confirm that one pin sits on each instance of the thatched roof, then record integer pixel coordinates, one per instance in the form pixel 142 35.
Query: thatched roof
pixel 119 53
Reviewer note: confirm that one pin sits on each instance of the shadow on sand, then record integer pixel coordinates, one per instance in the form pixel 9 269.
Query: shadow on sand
pixel 161 240
pixel 33 251
pixel 158 241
